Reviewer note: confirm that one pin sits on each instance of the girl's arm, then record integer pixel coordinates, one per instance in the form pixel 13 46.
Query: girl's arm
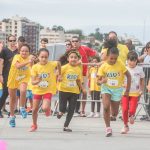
pixel 127 73
pixel 59 71
pixel 35 80
pixel 101 80
pixel 148 86
pixel 141 85
pixel 30 61
pixel 79 83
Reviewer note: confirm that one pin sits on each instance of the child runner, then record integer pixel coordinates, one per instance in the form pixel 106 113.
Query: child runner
pixel 111 76
pixel 94 88
pixel 129 104
pixel 44 84
pixel 69 87
pixel 19 76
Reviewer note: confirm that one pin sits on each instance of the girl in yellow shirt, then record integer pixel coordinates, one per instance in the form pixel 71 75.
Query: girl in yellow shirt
pixel 111 76
pixel 94 88
pixel 18 78
pixel 69 87
pixel 43 79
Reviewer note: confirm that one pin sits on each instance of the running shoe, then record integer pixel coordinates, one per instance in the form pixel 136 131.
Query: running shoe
pixel 125 130
pixel 23 113
pixel 67 129
pixel 12 122
pixel 108 132
pixel 33 128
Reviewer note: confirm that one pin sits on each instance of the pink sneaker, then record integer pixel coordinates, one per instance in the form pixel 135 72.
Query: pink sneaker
pixel 108 132
pixel 33 128
pixel 125 130
pixel 131 119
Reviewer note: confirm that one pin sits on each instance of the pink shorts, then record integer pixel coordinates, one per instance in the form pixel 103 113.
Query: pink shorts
pixel 46 96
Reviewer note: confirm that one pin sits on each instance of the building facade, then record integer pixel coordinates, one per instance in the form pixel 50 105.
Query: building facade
pixel 21 26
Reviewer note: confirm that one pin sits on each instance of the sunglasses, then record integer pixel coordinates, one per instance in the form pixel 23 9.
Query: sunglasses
pixel 75 41
pixel 12 40
pixel 68 44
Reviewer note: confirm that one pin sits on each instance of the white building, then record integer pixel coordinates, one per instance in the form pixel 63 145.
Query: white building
pixel 3 37
pixel 21 26
pixel 52 36
pixel 55 36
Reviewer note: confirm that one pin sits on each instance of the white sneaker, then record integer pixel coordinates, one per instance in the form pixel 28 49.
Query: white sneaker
pixel 125 130
pixel 91 115
pixel 97 115
pixel 76 115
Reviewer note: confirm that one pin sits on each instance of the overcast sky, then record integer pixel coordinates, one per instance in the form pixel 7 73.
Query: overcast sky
pixel 124 16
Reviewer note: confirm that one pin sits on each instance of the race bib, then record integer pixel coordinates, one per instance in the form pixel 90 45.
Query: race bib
pixel 72 84
pixel 43 84
pixel 93 75
pixel 111 82
pixel 20 77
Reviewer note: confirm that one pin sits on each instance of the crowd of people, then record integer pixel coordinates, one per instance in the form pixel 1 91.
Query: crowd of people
pixel 113 74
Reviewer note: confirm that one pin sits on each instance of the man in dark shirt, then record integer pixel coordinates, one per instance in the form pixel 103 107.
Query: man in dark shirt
pixel 6 57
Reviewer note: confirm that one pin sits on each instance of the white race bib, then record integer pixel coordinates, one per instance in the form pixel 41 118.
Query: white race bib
pixel 93 75
pixel 20 77
pixel 43 84
pixel 72 84
pixel 111 82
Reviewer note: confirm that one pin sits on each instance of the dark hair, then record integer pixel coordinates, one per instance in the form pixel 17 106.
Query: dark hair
pixel 109 43
pixel 63 59
pixel 132 56
pixel 21 39
pixel 113 50
pixel 11 36
pixel 68 41
pixel 43 50
pixel 76 37
pixel 147 45
pixel 45 40
pixel 26 45
pixel 96 57
pixel 36 55
pixel 112 32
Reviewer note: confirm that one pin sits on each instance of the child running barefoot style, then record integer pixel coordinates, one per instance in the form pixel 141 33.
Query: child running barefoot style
pixel 111 77
pixel 70 86
pixel 129 104
pixel 18 78
pixel 94 88
pixel 44 84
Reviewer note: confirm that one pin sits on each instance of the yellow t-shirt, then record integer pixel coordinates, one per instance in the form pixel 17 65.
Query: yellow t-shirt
pixel 47 73
pixel 123 52
pixel 18 76
pixel 69 76
pixel 1 86
pixel 113 73
pixel 93 79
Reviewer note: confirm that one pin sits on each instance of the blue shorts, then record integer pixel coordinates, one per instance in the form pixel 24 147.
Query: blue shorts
pixel 116 93
pixel 1 92
pixel 18 93
pixel 29 95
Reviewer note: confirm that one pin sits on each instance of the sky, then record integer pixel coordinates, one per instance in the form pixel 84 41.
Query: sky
pixel 123 16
